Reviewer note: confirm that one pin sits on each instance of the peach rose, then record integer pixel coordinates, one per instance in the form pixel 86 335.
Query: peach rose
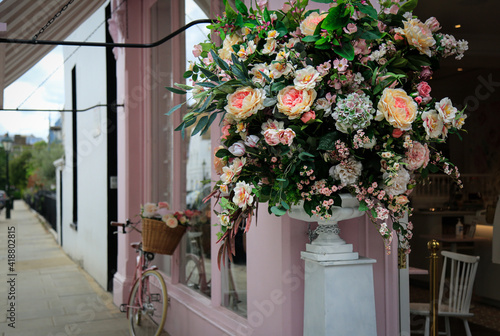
pixel 418 35
pixel 308 26
pixel 244 102
pixel 219 163
pixel 293 102
pixel 171 221
pixel 397 108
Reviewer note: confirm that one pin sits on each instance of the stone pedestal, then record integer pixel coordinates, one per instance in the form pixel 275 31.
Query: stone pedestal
pixel 339 297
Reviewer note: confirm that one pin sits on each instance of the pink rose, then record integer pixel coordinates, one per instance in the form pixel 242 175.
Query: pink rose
pixel 271 136
pixel 251 140
pixel 396 133
pixel 424 89
pixel 197 49
pixel 381 26
pixel 308 116
pixel 286 136
pixel 418 99
pixel 162 205
pixel 426 73
pixel 433 24
pixel 225 132
pixel 417 156
pixel 237 149
pixel 351 28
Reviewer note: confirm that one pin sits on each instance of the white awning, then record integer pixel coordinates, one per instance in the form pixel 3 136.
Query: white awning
pixel 25 18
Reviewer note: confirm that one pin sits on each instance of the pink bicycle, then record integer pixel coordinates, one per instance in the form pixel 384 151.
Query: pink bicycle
pixel 148 300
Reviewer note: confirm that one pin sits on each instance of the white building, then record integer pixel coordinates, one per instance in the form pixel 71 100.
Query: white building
pixel 86 190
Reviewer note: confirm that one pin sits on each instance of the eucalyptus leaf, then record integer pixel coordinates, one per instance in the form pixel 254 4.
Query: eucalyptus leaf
pixel 278 211
pixel 173 109
pixel 175 90
pixel 199 126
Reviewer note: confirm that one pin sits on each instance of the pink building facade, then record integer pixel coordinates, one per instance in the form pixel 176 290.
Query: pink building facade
pixel 152 167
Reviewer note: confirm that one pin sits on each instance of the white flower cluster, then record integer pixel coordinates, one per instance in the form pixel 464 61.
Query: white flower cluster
pixel 353 112
pixel 453 47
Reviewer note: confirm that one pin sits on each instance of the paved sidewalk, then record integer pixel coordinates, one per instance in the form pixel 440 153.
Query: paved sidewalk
pixel 46 292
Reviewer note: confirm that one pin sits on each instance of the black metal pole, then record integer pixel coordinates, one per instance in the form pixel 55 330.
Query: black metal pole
pixel 104 44
pixel 7 205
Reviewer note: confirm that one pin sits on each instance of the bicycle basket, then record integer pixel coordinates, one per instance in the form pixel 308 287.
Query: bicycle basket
pixel 157 237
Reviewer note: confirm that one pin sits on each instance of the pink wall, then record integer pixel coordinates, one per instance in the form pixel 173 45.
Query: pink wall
pixel 275 270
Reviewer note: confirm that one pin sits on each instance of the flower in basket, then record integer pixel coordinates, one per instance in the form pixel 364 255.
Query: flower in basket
pixel 317 103
pixel 161 211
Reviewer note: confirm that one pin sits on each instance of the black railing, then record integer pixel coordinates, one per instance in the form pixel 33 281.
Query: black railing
pixel 44 202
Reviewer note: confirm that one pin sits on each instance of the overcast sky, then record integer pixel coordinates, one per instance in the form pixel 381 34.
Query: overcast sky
pixel 49 95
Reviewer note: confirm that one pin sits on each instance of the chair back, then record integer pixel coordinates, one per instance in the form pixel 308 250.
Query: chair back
pixel 459 272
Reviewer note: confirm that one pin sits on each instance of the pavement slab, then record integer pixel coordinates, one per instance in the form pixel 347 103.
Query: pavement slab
pixel 50 293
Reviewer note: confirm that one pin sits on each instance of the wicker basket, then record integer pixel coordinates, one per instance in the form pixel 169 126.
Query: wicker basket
pixel 157 237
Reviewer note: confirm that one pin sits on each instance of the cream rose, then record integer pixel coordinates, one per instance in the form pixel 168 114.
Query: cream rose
pixel 306 78
pixel 308 26
pixel 399 109
pixel 244 102
pixel 446 110
pixel 433 124
pixel 293 102
pixel 397 184
pixel 149 210
pixel 347 171
pixel 227 46
pixel 243 195
pixel 418 35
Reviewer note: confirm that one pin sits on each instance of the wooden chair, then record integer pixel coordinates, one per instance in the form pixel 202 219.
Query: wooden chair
pixel 455 291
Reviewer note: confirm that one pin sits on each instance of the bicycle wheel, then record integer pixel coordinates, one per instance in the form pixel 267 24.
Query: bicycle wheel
pixel 193 273
pixel 148 303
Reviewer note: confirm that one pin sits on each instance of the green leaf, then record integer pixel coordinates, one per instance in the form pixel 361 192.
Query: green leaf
pixel 266 16
pixel 278 211
pixel 399 62
pixel 230 13
pixel 220 62
pixel 419 60
pixel 209 123
pixel 211 76
pixel 281 28
pixel 408 6
pixel 371 35
pixel 369 10
pixel 327 142
pixel 221 153
pixel 187 74
pixel 335 19
pixel 311 38
pixel 241 7
pixel 305 156
pixel 173 109
pixel 285 205
pixel 184 86
pixel 346 50
pixel 174 90
pixel 323 1
pixel 201 123
pixel 362 206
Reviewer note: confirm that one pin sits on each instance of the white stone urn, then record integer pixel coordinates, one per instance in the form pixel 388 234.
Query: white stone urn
pixel 328 245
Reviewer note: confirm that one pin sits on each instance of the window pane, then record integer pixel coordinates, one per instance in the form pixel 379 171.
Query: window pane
pixel 196 261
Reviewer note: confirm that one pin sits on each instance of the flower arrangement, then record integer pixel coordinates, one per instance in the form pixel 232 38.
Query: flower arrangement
pixel 161 211
pixel 317 103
